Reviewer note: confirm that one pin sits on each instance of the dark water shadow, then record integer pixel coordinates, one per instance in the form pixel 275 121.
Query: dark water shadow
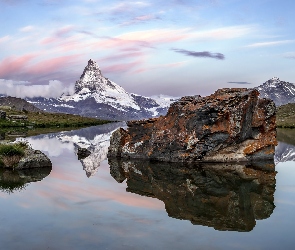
pixel 223 196
pixel 17 180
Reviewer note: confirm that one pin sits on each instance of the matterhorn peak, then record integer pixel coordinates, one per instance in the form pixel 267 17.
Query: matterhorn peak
pixel 90 78
pixel 93 65
pixel 275 79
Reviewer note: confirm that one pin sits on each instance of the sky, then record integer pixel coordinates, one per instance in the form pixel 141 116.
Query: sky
pixel 149 47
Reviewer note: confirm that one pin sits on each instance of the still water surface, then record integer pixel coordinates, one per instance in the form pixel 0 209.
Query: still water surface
pixel 95 204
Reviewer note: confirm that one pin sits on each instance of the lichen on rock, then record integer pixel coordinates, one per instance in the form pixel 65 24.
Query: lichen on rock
pixel 229 125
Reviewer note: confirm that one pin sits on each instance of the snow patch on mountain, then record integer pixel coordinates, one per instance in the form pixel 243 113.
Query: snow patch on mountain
pixel 164 100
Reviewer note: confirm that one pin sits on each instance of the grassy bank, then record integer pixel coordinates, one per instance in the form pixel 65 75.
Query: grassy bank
pixel 48 120
pixel 286 116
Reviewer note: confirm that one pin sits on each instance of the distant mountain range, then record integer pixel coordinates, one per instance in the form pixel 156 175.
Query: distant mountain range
pixel 280 92
pixel 97 96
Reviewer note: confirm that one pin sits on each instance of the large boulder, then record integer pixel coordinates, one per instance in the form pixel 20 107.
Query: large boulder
pixel 229 125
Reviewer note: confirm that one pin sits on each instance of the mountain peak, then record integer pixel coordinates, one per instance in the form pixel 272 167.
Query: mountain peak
pixel 92 64
pixel 279 91
pixel 90 77
pixel 275 78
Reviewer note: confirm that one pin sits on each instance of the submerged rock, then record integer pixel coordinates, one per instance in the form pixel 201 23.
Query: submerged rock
pixel 229 125
pixel 225 196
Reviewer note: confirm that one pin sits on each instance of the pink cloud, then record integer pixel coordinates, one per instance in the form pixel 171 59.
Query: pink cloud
pixel 13 65
pixel 120 68
pixel 64 31
pixel 111 43
pixel 49 40
pixel 58 35
pixel 4 39
pixel 169 65
pixel 123 56
pixel 53 64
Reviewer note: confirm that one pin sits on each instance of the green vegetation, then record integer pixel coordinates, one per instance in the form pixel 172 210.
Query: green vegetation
pixel 10 154
pixel 286 116
pixel 47 120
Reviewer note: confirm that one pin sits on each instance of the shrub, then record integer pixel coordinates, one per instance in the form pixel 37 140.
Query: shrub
pixel 11 154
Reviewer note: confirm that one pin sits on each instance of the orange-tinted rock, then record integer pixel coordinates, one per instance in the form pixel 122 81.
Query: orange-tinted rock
pixel 229 125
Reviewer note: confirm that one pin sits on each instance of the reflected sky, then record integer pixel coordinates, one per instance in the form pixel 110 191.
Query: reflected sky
pixel 68 210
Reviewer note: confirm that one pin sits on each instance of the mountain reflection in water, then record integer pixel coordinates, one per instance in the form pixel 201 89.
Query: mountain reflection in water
pixel 224 196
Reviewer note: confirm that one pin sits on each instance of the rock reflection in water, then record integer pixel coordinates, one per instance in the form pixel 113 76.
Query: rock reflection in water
pixel 17 180
pixel 223 196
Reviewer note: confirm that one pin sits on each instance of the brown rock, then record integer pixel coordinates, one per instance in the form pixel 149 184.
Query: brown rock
pixel 229 125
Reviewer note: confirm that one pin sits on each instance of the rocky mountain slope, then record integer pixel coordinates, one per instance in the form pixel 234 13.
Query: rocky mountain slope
pixel 97 96
pixel 18 104
pixel 280 92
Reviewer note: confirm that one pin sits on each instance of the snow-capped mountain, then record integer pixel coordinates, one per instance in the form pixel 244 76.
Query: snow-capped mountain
pixel 97 96
pixel 280 92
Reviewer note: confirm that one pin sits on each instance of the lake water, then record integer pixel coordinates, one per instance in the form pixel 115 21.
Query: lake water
pixel 95 204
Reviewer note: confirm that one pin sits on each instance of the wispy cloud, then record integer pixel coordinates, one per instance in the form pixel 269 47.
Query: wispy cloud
pixel 266 44
pixel 27 28
pixel 34 68
pixel 240 82
pixel 290 55
pixel 127 6
pixel 4 39
pixel 141 19
pixel 224 33
pixel 208 54
pixel 121 67
pixel 161 66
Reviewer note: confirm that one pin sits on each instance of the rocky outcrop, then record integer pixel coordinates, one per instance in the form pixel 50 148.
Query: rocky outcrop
pixel 34 159
pixel 223 196
pixel 18 104
pixel 229 125
pixel 20 155
pixel 17 117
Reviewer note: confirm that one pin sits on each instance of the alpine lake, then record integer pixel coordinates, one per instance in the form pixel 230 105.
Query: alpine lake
pixel 96 203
